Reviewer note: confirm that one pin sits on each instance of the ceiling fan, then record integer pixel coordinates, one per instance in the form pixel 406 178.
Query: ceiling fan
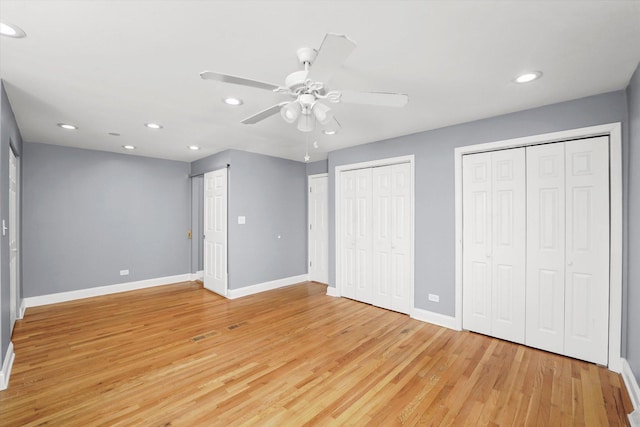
pixel 308 88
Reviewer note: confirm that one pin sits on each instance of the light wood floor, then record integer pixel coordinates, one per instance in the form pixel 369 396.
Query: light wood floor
pixel 180 355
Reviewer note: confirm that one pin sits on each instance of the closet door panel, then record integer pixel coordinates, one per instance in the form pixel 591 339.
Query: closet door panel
pixel 476 255
pixel 545 297
pixel 363 236
pixel 348 233
pixel 382 226
pixel 508 244
pixel 587 244
pixel 400 237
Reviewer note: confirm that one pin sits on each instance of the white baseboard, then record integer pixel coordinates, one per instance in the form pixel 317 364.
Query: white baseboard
pixel 7 364
pixel 435 318
pixel 23 308
pixel 198 275
pixel 103 290
pixel 266 286
pixel 634 392
pixel 332 291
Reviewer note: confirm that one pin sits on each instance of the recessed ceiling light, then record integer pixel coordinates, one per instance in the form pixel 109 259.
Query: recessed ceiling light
pixel 10 30
pixel 153 126
pixel 194 147
pixel 329 132
pixel 129 147
pixel 232 101
pixel 528 77
pixel 67 126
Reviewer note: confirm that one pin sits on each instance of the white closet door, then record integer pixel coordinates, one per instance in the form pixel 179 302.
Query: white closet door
pixel 364 235
pixel 545 247
pixel 476 253
pixel 587 246
pixel 215 231
pixel 348 268
pixel 382 226
pixel 508 244
pixel 391 237
pixel 401 238
pixel 318 229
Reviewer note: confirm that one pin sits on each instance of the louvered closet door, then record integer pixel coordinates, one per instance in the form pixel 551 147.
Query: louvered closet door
pixel 494 243
pixel 587 249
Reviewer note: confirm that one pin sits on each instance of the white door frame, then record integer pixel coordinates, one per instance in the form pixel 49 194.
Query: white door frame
pixel 309 179
pixel 613 130
pixel 337 210
pixel 14 229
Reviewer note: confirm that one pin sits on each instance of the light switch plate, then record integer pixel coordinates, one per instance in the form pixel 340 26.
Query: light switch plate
pixel 242 219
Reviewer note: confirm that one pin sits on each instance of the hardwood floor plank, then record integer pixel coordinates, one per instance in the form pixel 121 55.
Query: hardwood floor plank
pixel 179 355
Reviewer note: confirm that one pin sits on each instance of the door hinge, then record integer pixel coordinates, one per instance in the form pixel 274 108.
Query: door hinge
pixel 310 226
pixel 310 189
pixel 310 263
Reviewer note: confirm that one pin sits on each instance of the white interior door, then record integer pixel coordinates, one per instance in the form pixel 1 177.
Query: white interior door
pixel 401 282
pixel 494 215
pixel 318 229
pixel 508 244
pixel 476 256
pixel 215 231
pixel 13 237
pixel 545 247
pixel 347 236
pixel 587 247
pixel 363 235
pixel 382 240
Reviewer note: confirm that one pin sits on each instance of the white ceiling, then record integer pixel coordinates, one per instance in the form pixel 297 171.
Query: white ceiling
pixel 111 66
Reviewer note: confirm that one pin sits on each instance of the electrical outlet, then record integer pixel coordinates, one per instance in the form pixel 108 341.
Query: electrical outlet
pixel 124 272
pixel 434 297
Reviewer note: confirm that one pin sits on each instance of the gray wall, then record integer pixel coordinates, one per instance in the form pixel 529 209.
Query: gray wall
pixel 633 288
pixel 9 134
pixel 314 168
pixel 434 174
pixel 271 193
pixel 89 214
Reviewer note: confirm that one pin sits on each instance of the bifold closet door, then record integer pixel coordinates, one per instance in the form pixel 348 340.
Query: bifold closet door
pixel 494 215
pixel 356 230
pixel 568 248
pixel 391 237
pixel 545 247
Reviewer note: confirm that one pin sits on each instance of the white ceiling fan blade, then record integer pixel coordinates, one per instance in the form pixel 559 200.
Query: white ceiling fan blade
pixel 274 109
pixel 333 52
pixel 225 78
pixel 382 99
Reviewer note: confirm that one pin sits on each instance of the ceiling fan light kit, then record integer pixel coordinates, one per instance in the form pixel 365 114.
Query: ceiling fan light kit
pixel 308 88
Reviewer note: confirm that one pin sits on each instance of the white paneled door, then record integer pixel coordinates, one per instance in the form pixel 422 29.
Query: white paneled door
pixel 318 229
pixel 555 294
pixel 375 236
pixel 494 243
pixel 587 249
pixel 215 231
pixel 545 247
